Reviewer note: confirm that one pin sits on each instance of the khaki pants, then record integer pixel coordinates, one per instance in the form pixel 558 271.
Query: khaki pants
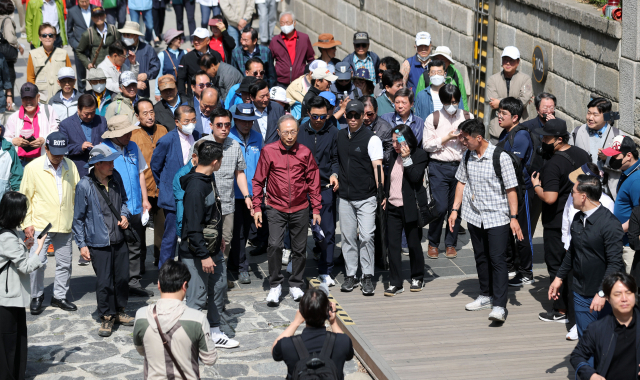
pixel 627 256
pixel 227 233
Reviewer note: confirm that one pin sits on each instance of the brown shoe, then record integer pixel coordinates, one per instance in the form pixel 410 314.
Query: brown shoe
pixel 451 253
pixel 124 318
pixel 432 252
pixel 106 326
pixel 230 284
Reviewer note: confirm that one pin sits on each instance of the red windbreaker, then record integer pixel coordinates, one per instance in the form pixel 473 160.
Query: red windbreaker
pixel 290 175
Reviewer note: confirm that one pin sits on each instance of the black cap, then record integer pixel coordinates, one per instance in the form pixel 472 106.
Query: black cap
pixel 245 84
pixel 29 90
pixel 361 38
pixel 355 106
pixel 57 143
pixel 553 127
pixel 97 11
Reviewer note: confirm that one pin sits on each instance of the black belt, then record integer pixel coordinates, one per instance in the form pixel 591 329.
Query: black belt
pixel 450 163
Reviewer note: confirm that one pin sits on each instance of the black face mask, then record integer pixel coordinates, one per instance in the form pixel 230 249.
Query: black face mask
pixel 615 163
pixel 546 150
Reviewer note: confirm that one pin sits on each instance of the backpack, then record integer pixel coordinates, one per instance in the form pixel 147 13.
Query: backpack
pixel 436 118
pixel 536 161
pixel 517 167
pixel 316 367
pixel 10 53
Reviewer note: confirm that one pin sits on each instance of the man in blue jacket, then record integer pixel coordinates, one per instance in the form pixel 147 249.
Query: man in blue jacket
pixel 320 137
pixel 250 143
pixel 171 154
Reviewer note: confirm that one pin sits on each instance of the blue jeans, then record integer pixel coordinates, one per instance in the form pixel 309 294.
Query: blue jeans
pixel 234 33
pixel 169 239
pixel 148 22
pixel 583 316
pixel 205 11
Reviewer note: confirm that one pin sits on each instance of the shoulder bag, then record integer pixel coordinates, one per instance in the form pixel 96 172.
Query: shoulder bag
pixel 165 344
pixel 130 236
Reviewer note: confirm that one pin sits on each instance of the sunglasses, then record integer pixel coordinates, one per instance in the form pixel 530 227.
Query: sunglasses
pixel 318 117
pixel 353 115
pixel 48 35
pixel 370 114
pixel 360 45
pixel 203 85
pixel 221 125
pixel 256 73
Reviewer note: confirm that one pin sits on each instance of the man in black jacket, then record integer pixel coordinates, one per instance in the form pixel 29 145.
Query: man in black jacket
pixel 594 253
pixel 189 65
pixel 201 249
pixel 320 137
pixel 613 340
pixel 170 102
pixel 269 112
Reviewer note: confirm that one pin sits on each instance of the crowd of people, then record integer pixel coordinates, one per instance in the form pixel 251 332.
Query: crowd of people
pixel 249 139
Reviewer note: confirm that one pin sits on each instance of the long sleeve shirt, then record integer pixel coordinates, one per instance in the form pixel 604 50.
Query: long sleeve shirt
pixel 432 138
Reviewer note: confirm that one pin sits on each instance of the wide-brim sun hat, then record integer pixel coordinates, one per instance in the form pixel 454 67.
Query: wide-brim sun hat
pixel 119 126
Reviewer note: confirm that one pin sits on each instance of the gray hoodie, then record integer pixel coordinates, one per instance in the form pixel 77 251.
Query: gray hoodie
pixel 14 279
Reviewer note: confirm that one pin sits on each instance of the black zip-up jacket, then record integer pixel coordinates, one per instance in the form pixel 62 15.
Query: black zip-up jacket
pixel 412 179
pixel 188 67
pixel 599 342
pixel 164 115
pixel 201 205
pixel 595 251
pixel 323 145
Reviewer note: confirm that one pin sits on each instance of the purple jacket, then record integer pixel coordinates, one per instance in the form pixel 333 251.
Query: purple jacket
pixel 286 72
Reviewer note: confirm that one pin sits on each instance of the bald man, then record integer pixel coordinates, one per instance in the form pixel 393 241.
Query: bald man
pixel 209 100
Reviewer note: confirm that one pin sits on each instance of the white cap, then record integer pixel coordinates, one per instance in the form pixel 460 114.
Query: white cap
pixel 279 94
pixel 317 64
pixel 423 38
pixel 323 73
pixel 201 33
pixel 66 72
pixel 511 52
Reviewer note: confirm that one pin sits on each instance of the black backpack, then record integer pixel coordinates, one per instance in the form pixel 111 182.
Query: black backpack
pixel 536 162
pixel 10 53
pixel 517 167
pixel 316 367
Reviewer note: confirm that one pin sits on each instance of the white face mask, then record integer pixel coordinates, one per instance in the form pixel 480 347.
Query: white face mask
pixel 188 129
pixel 437 80
pixel 99 88
pixel 422 59
pixel 128 41
pixel 451 109
pixel 287 29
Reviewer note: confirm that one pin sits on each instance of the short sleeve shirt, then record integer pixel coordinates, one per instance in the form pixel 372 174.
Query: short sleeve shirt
pixel 232 161
pixel 483 203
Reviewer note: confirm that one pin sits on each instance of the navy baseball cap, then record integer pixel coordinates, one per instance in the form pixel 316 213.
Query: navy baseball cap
pixel 245 112
pixel 57 143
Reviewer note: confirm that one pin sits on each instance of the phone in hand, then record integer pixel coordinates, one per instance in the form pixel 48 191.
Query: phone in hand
pixel 45 231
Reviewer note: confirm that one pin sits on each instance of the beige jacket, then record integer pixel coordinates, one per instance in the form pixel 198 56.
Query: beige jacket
pixel 520 88
pixel 47 79
pixel 297 90
pixel 235 10
pixel 9 31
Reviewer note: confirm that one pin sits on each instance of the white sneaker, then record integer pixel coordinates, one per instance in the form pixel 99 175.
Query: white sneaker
pixel 480 303
pixel 296 293
pixel 573 333
pixel 286 255
pixel 327 280
pixel 498 314
pixel 290 268
pixel 512 275
pixel 274 295
pixel 223 341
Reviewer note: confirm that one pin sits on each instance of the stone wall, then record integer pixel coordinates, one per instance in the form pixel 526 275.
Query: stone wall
pixel 583 47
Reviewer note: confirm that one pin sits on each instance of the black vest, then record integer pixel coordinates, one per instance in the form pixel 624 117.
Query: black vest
pixel 357 180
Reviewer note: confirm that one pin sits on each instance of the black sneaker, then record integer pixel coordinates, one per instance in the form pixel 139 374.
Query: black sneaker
pixel 393 290
pixel 367 285
pixel 461 231
pixel 350 282
pixel 521 280
pixel 553 316
pixel 416 285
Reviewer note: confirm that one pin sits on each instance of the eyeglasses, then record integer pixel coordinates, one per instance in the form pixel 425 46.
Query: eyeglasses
pixel 358 46
pixel 289 133
pixel 318 117
pixel 256 73
pixel 48 35
pixel 439 72
pixel 203 85
pixel 353 115
pixel 223 125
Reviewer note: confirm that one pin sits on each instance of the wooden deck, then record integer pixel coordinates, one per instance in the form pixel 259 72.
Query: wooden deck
pixel 429 334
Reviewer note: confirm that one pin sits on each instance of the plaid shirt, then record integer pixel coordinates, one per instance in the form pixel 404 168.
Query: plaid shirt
pixel 232 160
pixel 239 57
pixel 366 63
pixel 483 203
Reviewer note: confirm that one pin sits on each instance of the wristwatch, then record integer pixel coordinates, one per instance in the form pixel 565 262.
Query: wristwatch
pixel 247 196
pixel 513 216
pixel 601 294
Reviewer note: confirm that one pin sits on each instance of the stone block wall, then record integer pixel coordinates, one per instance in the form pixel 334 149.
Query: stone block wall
pixel 583 47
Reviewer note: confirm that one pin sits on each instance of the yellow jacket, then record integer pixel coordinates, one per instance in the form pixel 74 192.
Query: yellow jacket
pixel 44 207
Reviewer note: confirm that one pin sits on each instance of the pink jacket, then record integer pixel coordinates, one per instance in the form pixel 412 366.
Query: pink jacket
pixel 47 124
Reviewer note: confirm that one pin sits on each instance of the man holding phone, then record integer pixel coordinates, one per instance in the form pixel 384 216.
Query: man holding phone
pixel 50 182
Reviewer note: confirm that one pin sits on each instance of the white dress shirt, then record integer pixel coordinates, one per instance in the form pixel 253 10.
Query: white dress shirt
pixel 50 14
pixel 86 14
pixel 57 174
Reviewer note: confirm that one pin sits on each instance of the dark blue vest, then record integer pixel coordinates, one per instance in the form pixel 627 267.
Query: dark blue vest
pixel 167 67
pixel 415 73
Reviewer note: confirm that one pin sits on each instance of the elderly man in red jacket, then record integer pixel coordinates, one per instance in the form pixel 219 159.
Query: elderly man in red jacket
pixel 294 181
pixel 291 49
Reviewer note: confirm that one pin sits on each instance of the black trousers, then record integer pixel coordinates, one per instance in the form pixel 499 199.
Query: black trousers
pixel 490 249
pixel 298 223
pixel 553 256
pixel 137 251
pixel 443 183
pixel 520 252
pixel 117 14
pixel 158 20
pixel 13 343
pixel 81 73
pixel 242 222
pixel 395 224
pixel 158 227
pixel 111 266
pixel 190 7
